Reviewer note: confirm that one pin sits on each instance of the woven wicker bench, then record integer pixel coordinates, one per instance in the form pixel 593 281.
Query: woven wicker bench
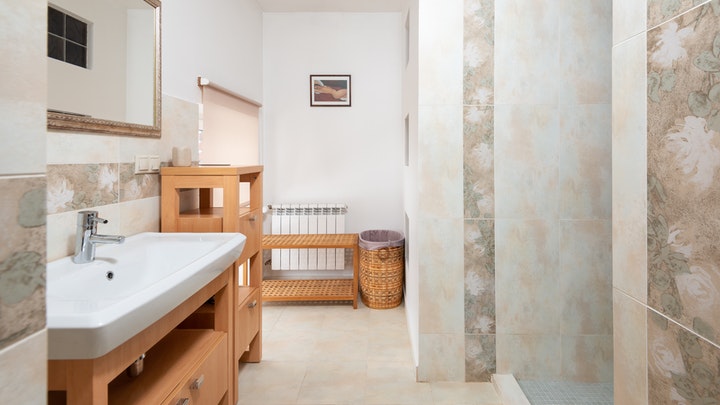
pixel 313 290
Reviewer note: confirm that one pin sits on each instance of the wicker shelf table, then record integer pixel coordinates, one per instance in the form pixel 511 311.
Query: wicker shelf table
pixel 313 290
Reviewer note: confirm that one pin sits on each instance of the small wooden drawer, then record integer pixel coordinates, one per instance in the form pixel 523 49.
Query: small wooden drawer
pixel 251 227
pixel 206 384
pixel 248 317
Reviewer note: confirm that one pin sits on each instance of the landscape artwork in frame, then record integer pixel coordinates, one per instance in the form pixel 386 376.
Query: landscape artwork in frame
pixel 330 90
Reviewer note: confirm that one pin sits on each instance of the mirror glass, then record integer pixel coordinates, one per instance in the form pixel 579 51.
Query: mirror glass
pixel 104 66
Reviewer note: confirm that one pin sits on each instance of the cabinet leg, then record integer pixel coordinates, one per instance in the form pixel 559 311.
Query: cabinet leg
pixel 79 391
pixel 254 355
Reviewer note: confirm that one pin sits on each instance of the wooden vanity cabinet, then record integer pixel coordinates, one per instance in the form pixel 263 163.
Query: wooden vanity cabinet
pixel 231 215
pixel 180 364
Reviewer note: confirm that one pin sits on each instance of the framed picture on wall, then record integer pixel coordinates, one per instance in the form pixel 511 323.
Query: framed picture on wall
pixel 330 90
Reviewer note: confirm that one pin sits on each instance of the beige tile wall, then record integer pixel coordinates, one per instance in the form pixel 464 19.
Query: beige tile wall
pixel 22 201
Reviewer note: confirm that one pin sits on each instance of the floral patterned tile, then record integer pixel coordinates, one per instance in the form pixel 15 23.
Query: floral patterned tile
pixel 682 367
pixel 137 186
pixel 77 186
pixel 480 276
pixel 22 258
pixel 478 165
pixel 660 11
pixel 480 362
pixel 683 162
pixel 479 21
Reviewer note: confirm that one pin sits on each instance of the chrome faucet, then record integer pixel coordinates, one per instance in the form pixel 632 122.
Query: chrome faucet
pixel 86 236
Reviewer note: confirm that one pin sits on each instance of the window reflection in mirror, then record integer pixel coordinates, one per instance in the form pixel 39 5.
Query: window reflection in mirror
pixel 120 82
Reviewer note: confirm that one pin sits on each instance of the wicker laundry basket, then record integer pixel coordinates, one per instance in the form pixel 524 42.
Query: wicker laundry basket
pixel 382 268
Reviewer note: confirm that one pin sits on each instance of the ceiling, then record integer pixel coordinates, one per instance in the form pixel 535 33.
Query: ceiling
pixel 356 6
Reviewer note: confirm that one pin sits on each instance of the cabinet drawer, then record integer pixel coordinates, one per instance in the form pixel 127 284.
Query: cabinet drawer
pixel 207 383
pixel 250 226
pixel 248 321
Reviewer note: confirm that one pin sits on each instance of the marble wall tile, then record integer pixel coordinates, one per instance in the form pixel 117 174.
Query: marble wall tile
pixel 440 161
pixel 527 58
pixel 478 163
pixel 73 187
pixel 137 186
pixel 480 276
pixel 683 163
pixel 629 129
pixel 22 258
pixel 585 278
pixel 64 148
pixel 440 36
pixel 443 357
pixel 526 259
pixel 138 216
pixel 587 358
pixel 531 357
pixel 584 38
pixel 526 161
pixel 660 11
pixel 630 263
pixel 24 370
pixel 479 26
pixel 585 162
pixel 23 87
pixel 441 276
pixel 682 367
pixel 180 124
pixel 480 356
pixel 629 19
pixel 630 350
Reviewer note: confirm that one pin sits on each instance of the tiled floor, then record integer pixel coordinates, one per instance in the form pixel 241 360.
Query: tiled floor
pixel 567 393
pixel 332 354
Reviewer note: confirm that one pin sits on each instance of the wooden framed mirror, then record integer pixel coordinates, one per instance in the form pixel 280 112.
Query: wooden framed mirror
pixel 116 88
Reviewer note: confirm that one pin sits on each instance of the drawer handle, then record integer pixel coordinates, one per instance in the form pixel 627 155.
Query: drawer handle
pixel 252 218
pixel 198 382
pixel 183 401
pixel 252 304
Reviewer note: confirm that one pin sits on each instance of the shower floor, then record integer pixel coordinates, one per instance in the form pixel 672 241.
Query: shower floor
pixel 567 393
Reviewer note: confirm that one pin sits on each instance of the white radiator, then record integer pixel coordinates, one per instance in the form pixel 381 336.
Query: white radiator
pixel 308 219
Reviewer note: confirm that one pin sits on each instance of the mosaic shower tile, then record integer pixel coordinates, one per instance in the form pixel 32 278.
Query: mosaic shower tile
pixel 22 258
pixel 73 187
pixel 480 276
pixel 137 186
pixel 479 26
pixel 660 11
pixel 682 367
pixel 683 163
pixel 479 357
pixel 478 162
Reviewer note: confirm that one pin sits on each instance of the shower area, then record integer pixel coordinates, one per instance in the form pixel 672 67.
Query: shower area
pixel 538 196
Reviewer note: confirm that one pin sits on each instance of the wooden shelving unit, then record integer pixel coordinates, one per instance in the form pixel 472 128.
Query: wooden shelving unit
pixel 229 216
pixel 316 289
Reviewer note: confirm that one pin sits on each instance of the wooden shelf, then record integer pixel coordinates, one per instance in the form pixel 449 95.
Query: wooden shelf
pixel 308 290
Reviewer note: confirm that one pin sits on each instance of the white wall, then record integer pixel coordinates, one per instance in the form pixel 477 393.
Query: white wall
pixel 350 155
pixel 217 39
pixel 410 110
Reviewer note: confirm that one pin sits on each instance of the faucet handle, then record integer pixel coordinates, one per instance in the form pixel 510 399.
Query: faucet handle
pixel 89 219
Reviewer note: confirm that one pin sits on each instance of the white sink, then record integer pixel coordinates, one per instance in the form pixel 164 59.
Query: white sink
pixel 92 308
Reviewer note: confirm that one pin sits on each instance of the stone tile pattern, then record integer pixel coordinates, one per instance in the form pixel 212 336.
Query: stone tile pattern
pixel 22 258
pixel 683 155
pixel 478 186
pixel 78 186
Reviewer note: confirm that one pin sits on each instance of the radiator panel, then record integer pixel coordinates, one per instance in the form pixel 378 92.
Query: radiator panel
pixel 308 219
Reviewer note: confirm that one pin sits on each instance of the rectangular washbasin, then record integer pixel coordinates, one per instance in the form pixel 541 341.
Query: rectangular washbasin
pixel 94 307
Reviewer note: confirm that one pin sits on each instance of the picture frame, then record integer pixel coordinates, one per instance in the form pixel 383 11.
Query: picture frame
pixel 330 91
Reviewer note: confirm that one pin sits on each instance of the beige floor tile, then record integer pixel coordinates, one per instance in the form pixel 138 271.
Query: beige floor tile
pixel 452 393
pixel 270 382
pixel 333 383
